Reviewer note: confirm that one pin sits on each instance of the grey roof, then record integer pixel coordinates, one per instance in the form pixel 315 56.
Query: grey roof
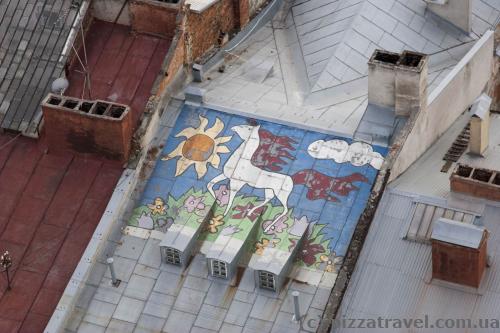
pixel 424 217
pixel 338 37
pixel 397 271
pixel 481 106
pixel 32 37
pixel 457 233
pixel 319 55
pixel 178 237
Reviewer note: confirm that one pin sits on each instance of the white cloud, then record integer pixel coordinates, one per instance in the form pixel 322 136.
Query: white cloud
pixel 357 153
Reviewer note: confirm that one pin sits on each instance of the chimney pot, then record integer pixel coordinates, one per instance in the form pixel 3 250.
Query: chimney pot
pixel 381 78
pixel 458 252
pixel 411 83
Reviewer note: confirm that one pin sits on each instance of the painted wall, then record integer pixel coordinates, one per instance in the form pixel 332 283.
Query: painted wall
pixel 445 104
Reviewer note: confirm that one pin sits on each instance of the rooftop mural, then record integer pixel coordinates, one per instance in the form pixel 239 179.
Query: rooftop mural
pixel 255 170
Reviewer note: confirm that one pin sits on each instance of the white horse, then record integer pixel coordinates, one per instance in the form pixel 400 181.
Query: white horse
pixel 240 171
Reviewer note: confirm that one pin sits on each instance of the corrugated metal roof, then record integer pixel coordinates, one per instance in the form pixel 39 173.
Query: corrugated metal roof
pixel 391 278
pixel 424 217
pixel 32 37
pixel 457 233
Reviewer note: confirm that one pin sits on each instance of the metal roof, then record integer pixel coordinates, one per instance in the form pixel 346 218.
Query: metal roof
pixel 338 37
pixel 32 37
pixel 481 106
pixel 457 233
pixel 425 215
pixel 397 271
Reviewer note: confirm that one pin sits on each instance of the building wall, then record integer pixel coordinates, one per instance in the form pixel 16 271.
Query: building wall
pixel 205 29
pixel 445 104
pixel 107 10
pixel 154 17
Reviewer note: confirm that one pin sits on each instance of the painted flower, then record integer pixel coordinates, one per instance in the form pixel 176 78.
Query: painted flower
pixel 309 251
pixel 193 203
pixel 222 195
pixel 277 227
pixel 214 223
pixel 245 210
pixel 260 246
pixel 145 221
pixel 299 226
pixel 327 262
pixel 230 230
pixel 158 207
pixel 164 224
pixel 201 146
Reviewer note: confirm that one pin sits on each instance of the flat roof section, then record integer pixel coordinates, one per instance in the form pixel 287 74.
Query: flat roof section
pixel 123 66
pixel 50 206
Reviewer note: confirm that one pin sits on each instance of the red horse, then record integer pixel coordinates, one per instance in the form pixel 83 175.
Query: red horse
pixel 320 185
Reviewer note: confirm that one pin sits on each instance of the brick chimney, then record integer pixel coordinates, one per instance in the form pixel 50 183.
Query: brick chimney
pixel 458 252
pixel 411 83
pixel 95 127
pixel 480 125
pixel 382 78
pixel 457 12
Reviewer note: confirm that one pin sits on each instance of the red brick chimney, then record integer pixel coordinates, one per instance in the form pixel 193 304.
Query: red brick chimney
pixel 458 252
pixel 95 127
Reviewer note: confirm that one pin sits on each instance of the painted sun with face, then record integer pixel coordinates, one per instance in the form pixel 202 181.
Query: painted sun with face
pixel 201 146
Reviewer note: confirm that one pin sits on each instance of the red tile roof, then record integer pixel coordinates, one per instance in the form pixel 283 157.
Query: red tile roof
pixel 50 204
pixel 123 65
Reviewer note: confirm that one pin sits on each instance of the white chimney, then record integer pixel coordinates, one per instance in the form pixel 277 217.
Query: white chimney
pixel 457 12
pixel 382 78
pixel 479 125
pixel 411 83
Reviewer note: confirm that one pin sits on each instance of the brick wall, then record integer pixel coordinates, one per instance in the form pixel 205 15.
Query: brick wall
pixel 206 28
pixel 154 17
pixel 458 264
pixel 174 61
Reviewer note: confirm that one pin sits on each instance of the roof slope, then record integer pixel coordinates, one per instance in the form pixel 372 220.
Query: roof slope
pixel 338 37
pixel 32 37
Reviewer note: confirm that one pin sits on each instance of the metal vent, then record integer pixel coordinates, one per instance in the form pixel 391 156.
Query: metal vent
pixel 267 280
pixel 172 256
pixel 219 269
